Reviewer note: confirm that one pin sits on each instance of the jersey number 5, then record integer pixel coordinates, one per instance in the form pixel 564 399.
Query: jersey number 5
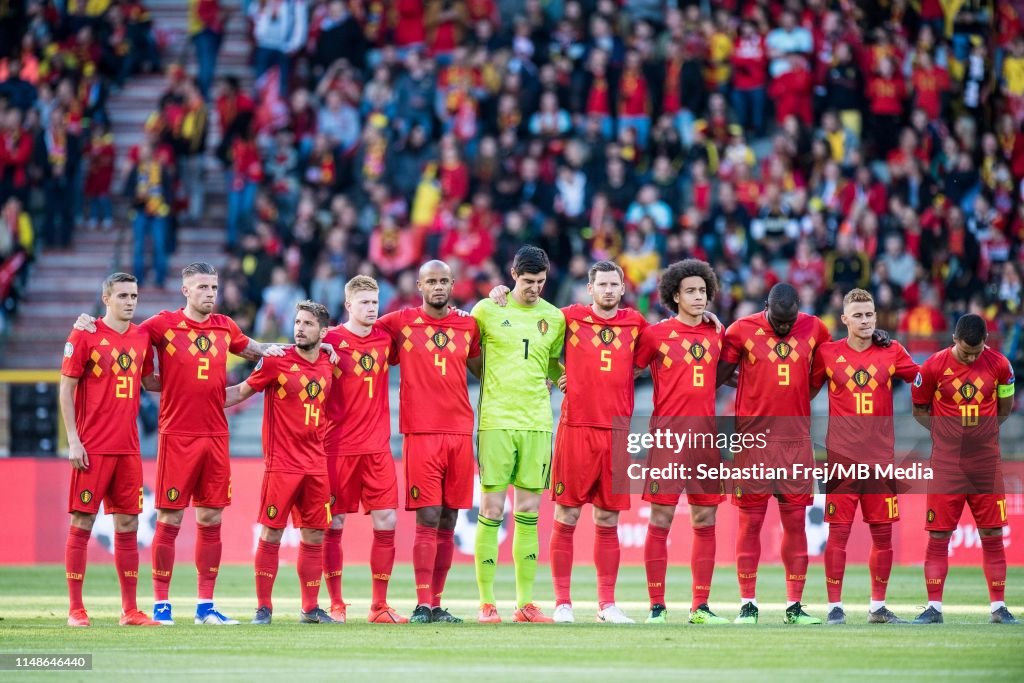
pixel 606 360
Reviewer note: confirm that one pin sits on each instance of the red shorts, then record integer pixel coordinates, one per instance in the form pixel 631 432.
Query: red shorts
pixel 114 479
pixel 438 470
pixel 776 454
pixel 369 478
pixel 192 469
pixel 944 510
pixel 582 469
pixel 307 497
pixel 875 508
pixel 672 499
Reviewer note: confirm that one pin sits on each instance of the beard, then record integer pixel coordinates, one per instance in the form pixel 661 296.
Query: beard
pixel 307 346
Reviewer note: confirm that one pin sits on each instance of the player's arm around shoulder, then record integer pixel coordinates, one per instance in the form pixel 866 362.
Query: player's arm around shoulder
pixel 245 389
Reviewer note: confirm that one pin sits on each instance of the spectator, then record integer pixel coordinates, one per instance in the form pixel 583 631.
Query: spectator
pixel 149 188
pixel 100 155
pixel 279 29
pixel 207 21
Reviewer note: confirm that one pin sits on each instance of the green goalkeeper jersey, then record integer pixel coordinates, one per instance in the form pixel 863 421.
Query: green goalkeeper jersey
pixel 520 344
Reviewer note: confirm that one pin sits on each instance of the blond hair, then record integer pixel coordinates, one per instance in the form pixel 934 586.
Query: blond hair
pixel 360 283
pixel 858 296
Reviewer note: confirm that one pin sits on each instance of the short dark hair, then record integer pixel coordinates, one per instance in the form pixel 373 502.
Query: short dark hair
pixel 530 260
pixel 113 279
pixel 318 310
pixel 971 329
pixel 197 268
pixel 679 271
pixel 604 267
pixel 783 297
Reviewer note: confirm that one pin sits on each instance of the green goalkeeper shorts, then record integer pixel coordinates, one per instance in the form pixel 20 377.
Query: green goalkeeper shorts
pixel 514 456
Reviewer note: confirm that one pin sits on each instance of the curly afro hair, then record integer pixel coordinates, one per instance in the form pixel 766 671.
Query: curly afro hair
pixel 673 276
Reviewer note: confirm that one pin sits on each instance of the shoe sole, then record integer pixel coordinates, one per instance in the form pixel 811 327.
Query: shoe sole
pixel 204 622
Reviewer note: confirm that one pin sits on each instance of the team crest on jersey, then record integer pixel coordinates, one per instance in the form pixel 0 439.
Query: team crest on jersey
pixel 931 515
pixel 782 349
pixel 738 492
pixel 606 335
pixel 918 381
pixel 124 361
pixel 861 378
pixel 968 391
pixel 172 494
pixel 85 496
pixel 366 362
pixel 440 339
pixel 559 488
pixel 831 510
pixel 313 388
pixel 69 350
pixel 203 343
pixel 697 351
pixel 271 511
pixel 415 492
pixel 654 487
pixel 542 326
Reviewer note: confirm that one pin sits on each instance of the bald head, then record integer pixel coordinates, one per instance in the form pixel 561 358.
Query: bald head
pixel 434 265
pixel 435 283
pixel 783 308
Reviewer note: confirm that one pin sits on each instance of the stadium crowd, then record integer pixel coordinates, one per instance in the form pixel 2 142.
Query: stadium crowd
pixel 828 144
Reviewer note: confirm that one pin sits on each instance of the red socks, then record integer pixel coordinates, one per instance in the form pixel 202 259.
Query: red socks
pixel 442 564
pixel 424 556
pixel 794 550
pixel 993 559
pixel 835 560
pixel 748 549
pixel 332 565
pixel 382 561
pixel 561 561
pixel 309 564
pixel 702 564
pixel 656 562
pixel 126 561
pixel 880 560
pixel 74 564
pixel 163 559
pixel 606 561
pixel 936 567
pixel 208 550
pixel 266 571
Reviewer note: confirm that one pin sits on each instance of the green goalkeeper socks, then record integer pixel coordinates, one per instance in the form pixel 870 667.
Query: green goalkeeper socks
pixel 487 556
pixel 525 547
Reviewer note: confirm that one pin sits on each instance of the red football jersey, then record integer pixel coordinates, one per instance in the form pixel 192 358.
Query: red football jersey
pixel 860 394
pixel 294 414
pixel 960 395
pixel 432 353
pixel 109 367
pixel 774 373
pixel 599 356
pixel 193 359
pixel 358 409
pixel 684 365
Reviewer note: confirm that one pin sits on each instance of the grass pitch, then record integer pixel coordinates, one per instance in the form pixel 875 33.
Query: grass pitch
pixel 33 608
